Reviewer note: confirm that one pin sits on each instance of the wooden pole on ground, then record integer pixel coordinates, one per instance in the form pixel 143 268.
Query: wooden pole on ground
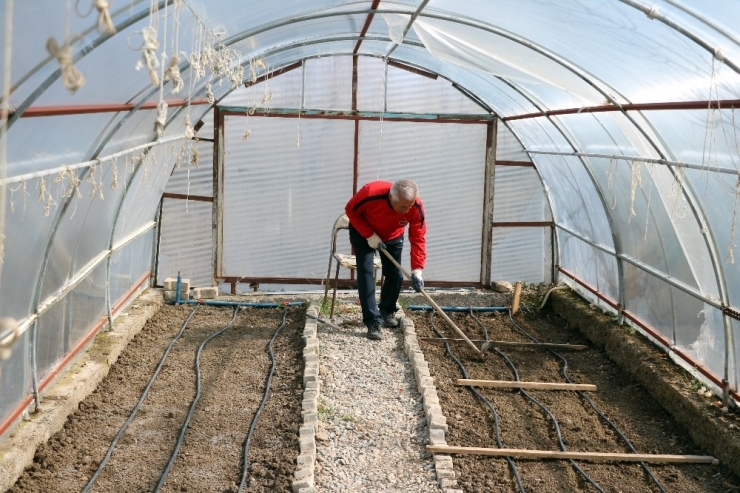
pixel 525 385
pixel 585 456
pixel 434 305
pixel 542 345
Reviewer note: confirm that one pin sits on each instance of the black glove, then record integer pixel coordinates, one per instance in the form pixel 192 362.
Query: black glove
pixel 416 281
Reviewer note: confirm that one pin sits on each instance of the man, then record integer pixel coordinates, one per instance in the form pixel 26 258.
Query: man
pixel 378 214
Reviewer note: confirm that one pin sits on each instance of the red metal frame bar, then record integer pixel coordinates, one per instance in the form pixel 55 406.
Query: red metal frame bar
pixel 683 105
pixel 198 198
pixel 413 70
pixel 366 26
pixel 61 365
pixel 83 109
pixel 654 334
pixel 522 224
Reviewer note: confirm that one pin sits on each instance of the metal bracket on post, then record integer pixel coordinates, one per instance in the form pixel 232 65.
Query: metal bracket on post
pixel 620 315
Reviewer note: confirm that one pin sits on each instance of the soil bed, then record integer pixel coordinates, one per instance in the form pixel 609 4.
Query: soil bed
pixel 234 368
pixel 524 425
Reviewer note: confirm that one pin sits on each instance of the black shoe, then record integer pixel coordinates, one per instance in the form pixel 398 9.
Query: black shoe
pixel 373 332
pixel 389 320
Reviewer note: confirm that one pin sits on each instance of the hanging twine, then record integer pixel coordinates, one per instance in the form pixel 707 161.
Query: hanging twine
pixel 9 331
pixel 105 23
pixel 149 53
pixel 161 118
pixel 209 94
pixel 189 132
pixel 173 74
pixel 71 77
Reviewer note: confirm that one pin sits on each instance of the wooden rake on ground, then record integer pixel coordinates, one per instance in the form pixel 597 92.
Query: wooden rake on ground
pixel 481 351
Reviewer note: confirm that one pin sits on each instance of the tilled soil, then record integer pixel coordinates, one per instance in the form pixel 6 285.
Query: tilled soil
pixel 234 367
pixel 525 425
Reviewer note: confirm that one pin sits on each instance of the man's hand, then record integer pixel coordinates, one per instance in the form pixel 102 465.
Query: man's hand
pixel 416 281
pixel 375 242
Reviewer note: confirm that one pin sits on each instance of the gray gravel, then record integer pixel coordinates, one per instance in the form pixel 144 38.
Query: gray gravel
pixel 372 431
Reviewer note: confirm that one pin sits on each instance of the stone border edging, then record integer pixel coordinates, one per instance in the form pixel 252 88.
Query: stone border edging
pixel 306 461
pixel 78 380
pixel 436 421
pixel 636 355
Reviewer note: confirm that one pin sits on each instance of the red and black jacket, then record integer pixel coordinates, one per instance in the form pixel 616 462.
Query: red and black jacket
pixel 370 211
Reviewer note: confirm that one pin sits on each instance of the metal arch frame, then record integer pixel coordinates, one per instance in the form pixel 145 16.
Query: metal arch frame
pixel 566 64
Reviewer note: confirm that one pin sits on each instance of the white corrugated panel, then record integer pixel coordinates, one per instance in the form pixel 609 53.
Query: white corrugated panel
pixel 186 242
pixel 447 161
pixel 521 254
pixel 281 199
pixel 194 178
pixel 518 195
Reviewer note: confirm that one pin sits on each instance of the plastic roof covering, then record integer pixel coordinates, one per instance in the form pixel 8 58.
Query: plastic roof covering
pixel 658 239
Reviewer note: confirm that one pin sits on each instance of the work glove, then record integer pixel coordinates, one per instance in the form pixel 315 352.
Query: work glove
pixel 416 281
pixel 375 242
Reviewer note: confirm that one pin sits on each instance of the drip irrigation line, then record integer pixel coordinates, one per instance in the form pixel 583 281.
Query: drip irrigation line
pixel 262 404
pixel 138 404
pixel 194 403
pixel 591 403
pixel 488 404
pixel 531 398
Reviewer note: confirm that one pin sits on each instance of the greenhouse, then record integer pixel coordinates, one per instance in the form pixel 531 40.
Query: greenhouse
pixel 200 152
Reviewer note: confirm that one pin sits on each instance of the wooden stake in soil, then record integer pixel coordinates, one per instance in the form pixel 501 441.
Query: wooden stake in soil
pixel 585 456
pixel 436 307
pixel 535 345
pixel 517 295
pixel 508 384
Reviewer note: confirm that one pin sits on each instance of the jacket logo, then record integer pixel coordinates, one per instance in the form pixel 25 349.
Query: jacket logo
pixel 403 222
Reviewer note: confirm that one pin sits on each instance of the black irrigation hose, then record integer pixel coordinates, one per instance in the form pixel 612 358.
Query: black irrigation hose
pixel 584 396
pixel 262 404
pixel 528 396
pixel 480 396
pixel 194 403
pixel 138 405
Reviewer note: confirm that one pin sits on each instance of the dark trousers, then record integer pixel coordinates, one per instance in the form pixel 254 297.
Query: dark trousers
pixel 365 279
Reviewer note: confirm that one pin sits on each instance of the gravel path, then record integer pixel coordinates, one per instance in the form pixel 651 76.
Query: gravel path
pixel 372 429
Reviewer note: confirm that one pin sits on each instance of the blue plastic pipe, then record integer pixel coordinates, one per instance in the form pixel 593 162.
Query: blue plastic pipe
pixel 429 308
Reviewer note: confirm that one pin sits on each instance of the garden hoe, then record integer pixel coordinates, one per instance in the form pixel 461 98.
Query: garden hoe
pixel 437 308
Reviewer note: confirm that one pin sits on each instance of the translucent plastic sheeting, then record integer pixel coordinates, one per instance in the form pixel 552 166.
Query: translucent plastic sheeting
pixel 596 268
pixel 36 144
pixel 84 229
pixel 129 264
pixel 642 54
pixel 206 131
pixel 735 368
pixel 703 338
pixel 62 327
pixel 44 20
pixel 494 92
pixel 518 195
pixel 194 179
pixel 428 153
pixel 483 50
pixel 278 225
pixel 644 202
pixel 577 204
pixel 508 147
pixel 15 376
pixel 408 92
pixel 186 242
pixel 522 254
pixel 24 248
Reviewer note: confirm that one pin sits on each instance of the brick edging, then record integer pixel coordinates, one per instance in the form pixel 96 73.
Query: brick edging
pixel 306 461
pixel 436 421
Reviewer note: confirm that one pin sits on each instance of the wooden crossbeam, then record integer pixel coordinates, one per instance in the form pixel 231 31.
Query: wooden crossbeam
pixel 584 456
pixel 542 345
pixel 525 385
